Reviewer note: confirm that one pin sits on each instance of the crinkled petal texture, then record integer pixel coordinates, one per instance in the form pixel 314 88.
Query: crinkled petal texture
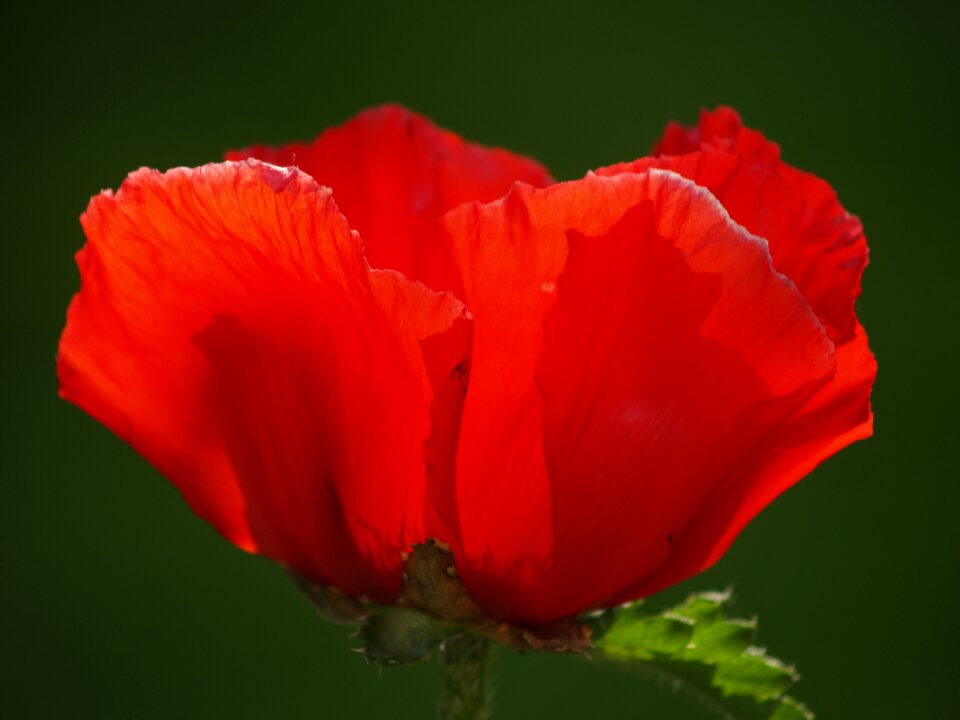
pixel 229 328
pixel 393 174
pixel 822 249
pixel 632 348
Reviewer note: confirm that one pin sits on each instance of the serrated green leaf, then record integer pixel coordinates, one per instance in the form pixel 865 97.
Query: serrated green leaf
pixel 719 640
pixel 706 607
pixel 633 635
pixel 755 675
pixel 695 646
pixel 790 709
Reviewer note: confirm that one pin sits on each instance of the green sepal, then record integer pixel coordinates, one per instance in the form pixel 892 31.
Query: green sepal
pixel 695 646
pixel 399 635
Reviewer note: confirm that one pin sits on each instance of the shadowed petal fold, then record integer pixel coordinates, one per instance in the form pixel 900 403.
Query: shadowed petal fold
pixel 836 416
pixel 813 240
pixel 229 329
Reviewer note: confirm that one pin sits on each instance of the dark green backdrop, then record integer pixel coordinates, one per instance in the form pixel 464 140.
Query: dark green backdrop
pixel 119 603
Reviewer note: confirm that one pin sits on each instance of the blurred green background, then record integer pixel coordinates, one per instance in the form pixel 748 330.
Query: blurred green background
pixel 118 603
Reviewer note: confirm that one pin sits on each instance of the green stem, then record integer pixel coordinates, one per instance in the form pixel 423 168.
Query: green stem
pixel 465 682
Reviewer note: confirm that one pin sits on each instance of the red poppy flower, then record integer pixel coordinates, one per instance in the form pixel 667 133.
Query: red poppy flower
pixel 587 388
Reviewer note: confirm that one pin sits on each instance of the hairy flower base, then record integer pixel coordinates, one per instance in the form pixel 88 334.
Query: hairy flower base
pixel 434 607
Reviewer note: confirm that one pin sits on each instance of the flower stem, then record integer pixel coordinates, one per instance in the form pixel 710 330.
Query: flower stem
pixel 465 682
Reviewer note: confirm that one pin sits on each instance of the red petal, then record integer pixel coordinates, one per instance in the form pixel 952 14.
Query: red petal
pixel 813 240
pixel 632 347
pixel 819 246
pixel 393 174
pixel 836 416
pixel 229 329
pixel 720 124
